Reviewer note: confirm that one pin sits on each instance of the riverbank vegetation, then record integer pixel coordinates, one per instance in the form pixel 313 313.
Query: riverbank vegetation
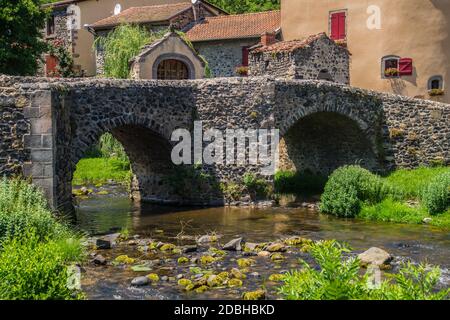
pixel 406 196
pixel 106 162
pixel 37 250
pixel 337 276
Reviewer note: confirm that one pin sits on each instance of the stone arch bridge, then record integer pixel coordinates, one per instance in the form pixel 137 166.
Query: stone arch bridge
pixel 46 126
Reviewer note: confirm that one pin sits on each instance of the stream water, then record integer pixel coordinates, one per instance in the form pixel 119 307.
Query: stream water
pixel 108 214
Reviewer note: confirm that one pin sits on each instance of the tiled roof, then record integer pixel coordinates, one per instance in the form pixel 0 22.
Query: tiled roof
pixel 144 14
pixel 287 46
pixel 249 25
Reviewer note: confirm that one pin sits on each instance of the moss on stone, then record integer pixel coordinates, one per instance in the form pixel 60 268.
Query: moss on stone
pixel 124 259
pixel 234 283
pixel 207 259
pixel 183 260
pixel 254 295
pixel 184 282
pixel 153 277
pixel 245 262
pixel 276 277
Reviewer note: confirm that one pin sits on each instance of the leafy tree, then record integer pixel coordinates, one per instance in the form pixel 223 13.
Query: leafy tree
pixel 21 43
pixel 243 6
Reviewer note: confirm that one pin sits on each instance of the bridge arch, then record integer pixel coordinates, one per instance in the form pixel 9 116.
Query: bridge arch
pixel 142 120
pixel 324 126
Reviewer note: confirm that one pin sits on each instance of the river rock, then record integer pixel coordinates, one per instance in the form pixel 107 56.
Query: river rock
pixel 189 249
pixel 99 260
pixel 251 246
pixel 140 281
pixel 233 245
pixel 427 220
pixel 207 239
pixel 107 242
pixel 276 247
pixel 375 256
pixel 84 191
pixel 263 254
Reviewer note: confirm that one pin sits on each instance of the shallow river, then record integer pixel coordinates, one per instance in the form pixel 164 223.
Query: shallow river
pixel 108 214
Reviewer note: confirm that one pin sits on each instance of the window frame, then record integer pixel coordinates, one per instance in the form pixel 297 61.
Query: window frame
pixel 383 66
pixel 47 26
pixel 330 23
pixel 433 78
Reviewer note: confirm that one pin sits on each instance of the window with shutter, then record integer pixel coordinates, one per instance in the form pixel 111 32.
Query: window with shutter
pixel 405 67
pixel 338 26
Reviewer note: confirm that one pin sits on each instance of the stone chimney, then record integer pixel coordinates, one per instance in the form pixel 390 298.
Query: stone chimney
pixel 268 38
pixel 196 10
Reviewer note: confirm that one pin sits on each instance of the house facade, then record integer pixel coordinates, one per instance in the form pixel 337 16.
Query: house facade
pixel 225 40
pixel 400 46
pixel 69 18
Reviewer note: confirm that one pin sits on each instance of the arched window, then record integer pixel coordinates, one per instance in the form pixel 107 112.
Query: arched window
pixel 117 9
pixel 390 67
pixel 172 69
pixel 324 75
pixel 436 83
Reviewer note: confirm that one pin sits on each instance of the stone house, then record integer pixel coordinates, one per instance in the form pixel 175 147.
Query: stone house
pixel 69 23
pixel 316 57
pixel 225 40
pixel 169 58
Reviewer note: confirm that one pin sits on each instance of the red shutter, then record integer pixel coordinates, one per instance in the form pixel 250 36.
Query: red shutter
pixel 405 67
pixel 338 27
pixel 245 56
pixel 342 31
pixel 51 64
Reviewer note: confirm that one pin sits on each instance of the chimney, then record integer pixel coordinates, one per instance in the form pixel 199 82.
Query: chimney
pixel 268 38
pixel 196 10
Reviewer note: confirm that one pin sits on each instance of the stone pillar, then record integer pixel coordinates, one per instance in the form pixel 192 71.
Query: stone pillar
pixel 39 143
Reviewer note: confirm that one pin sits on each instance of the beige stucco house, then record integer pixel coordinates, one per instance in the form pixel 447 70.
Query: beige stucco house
pixel 69 19
pixel 398 46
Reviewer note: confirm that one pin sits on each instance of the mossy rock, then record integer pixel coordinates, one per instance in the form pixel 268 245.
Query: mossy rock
pixel 254 295
pixel 298 241
pixel 202 289
pixel 237 274
pixel 277 277
pixel 102 193
pixel 207 260
pixel 245 262
pixel 183 260
pixel 234 283
pixel 213 281
pixel 168 247
pixel 218 252
pixel 223 276
pixel 153 277
pixel 125 259
pixel 184 282
pixel 277 257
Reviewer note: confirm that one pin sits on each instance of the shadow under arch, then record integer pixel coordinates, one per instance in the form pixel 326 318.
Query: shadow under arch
pixel 323 141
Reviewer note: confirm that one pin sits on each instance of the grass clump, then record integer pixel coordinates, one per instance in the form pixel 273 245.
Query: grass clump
pixel 436 195
pixel 350 186
pixel 101 170
pixel 24 207
pixel 36 249
pixel 338 277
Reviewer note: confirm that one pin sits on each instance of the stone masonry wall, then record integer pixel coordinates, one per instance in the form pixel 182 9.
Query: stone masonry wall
pixel 304 63
pixel 224 56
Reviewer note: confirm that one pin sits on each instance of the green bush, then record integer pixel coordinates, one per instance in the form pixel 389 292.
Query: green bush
pixel 348 187
pixel 22 207
pixel 256 187
pixel 338 278
pixel 299 182
pixel 121 45
pixel 436 196
pixel 32 269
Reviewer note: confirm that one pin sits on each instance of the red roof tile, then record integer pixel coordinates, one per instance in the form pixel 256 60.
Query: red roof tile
pixel 249 25
pixel 287 46
pixel 144 14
